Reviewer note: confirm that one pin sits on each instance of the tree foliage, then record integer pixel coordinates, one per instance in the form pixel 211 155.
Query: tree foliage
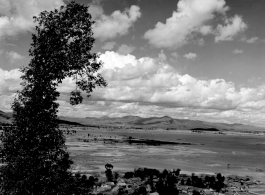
pixel 35 154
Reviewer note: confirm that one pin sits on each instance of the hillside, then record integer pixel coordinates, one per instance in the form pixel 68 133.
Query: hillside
pixel 5 118
pixel 165 122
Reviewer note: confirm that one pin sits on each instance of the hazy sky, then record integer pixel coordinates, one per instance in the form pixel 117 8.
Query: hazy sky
pixel 192 59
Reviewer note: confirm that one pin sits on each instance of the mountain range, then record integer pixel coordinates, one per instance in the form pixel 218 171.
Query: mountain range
pixel 164 122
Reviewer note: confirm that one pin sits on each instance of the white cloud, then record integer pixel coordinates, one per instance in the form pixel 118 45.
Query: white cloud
pixel 190 56
pixel 190 17
pixel 6 101
pixel 151 87
pixel 238 51
pixel 152 80
pixel 118 23
pixel 201 42
pixel 194 17
pixel 16 16
pixel 125 49
pixel 9 81
pixel 14 56
pixel 205 30
pixel 251 40
pixel 95 10
pixel 109 45
pixel 232 27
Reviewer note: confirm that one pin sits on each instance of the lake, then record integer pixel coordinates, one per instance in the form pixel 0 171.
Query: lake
pixel 207 153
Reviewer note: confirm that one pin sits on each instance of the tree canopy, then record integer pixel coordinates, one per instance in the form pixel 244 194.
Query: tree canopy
pixel 37 161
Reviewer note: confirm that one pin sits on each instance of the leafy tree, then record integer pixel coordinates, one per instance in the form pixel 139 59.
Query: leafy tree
pixel 35 154
pixel 108 172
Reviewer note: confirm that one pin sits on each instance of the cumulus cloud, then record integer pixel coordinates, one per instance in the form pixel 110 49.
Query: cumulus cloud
pixel 232 27
pixel 190 56
pixel 16 16
pixel 152 80
pixel 238 51
pixel 125 49
pixel 205 30
pixel 118 23
pixel 191 18
pixel 14 56
pixel 151 87
pixel 251 40
pixel 95 10
pixel 9 81
pixel 109 45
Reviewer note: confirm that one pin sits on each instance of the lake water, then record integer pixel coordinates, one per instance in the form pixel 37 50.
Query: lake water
pixel 208 153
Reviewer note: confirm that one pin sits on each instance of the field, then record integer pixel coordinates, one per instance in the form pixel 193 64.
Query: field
pixel 238 154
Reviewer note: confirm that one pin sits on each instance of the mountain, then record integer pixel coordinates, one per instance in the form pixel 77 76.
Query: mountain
pixel 5 117
pixel 164 122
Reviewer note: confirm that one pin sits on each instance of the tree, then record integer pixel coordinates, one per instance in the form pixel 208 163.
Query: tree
pixel 35 154
pixel 108 171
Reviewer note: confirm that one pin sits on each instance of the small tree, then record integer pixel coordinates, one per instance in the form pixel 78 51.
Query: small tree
pixel 108 171
pixel 35 154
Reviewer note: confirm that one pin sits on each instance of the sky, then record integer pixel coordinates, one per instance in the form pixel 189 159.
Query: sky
pixel 188 59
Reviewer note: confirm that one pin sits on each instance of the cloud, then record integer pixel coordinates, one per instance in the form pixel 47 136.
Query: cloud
pixel 6 101
pixel 193 18
pixel 117 24
pixel 238 51
pixel 95 10
pixel 251 40
pixel 125 49
pixel 232 27
pixel 109 45
pixel 201 42
pixel 205 30
pixel 190 17
pixel 14 56
pixel 153 81
pixel 16 16
pixel 151 87
pixel 9 81
pixel 190 56
pixel 175 55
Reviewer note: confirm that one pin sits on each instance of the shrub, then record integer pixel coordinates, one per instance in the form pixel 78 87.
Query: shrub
pixel 128 175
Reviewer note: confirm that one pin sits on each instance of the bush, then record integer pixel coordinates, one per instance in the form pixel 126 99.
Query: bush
pixel 128 175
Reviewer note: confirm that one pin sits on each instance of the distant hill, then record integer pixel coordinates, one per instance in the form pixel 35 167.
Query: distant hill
pixel 165 122
pixel 5 117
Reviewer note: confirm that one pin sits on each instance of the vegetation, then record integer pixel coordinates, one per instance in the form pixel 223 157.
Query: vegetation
pixel 35 154
pixel 108 172
pixel 167 182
